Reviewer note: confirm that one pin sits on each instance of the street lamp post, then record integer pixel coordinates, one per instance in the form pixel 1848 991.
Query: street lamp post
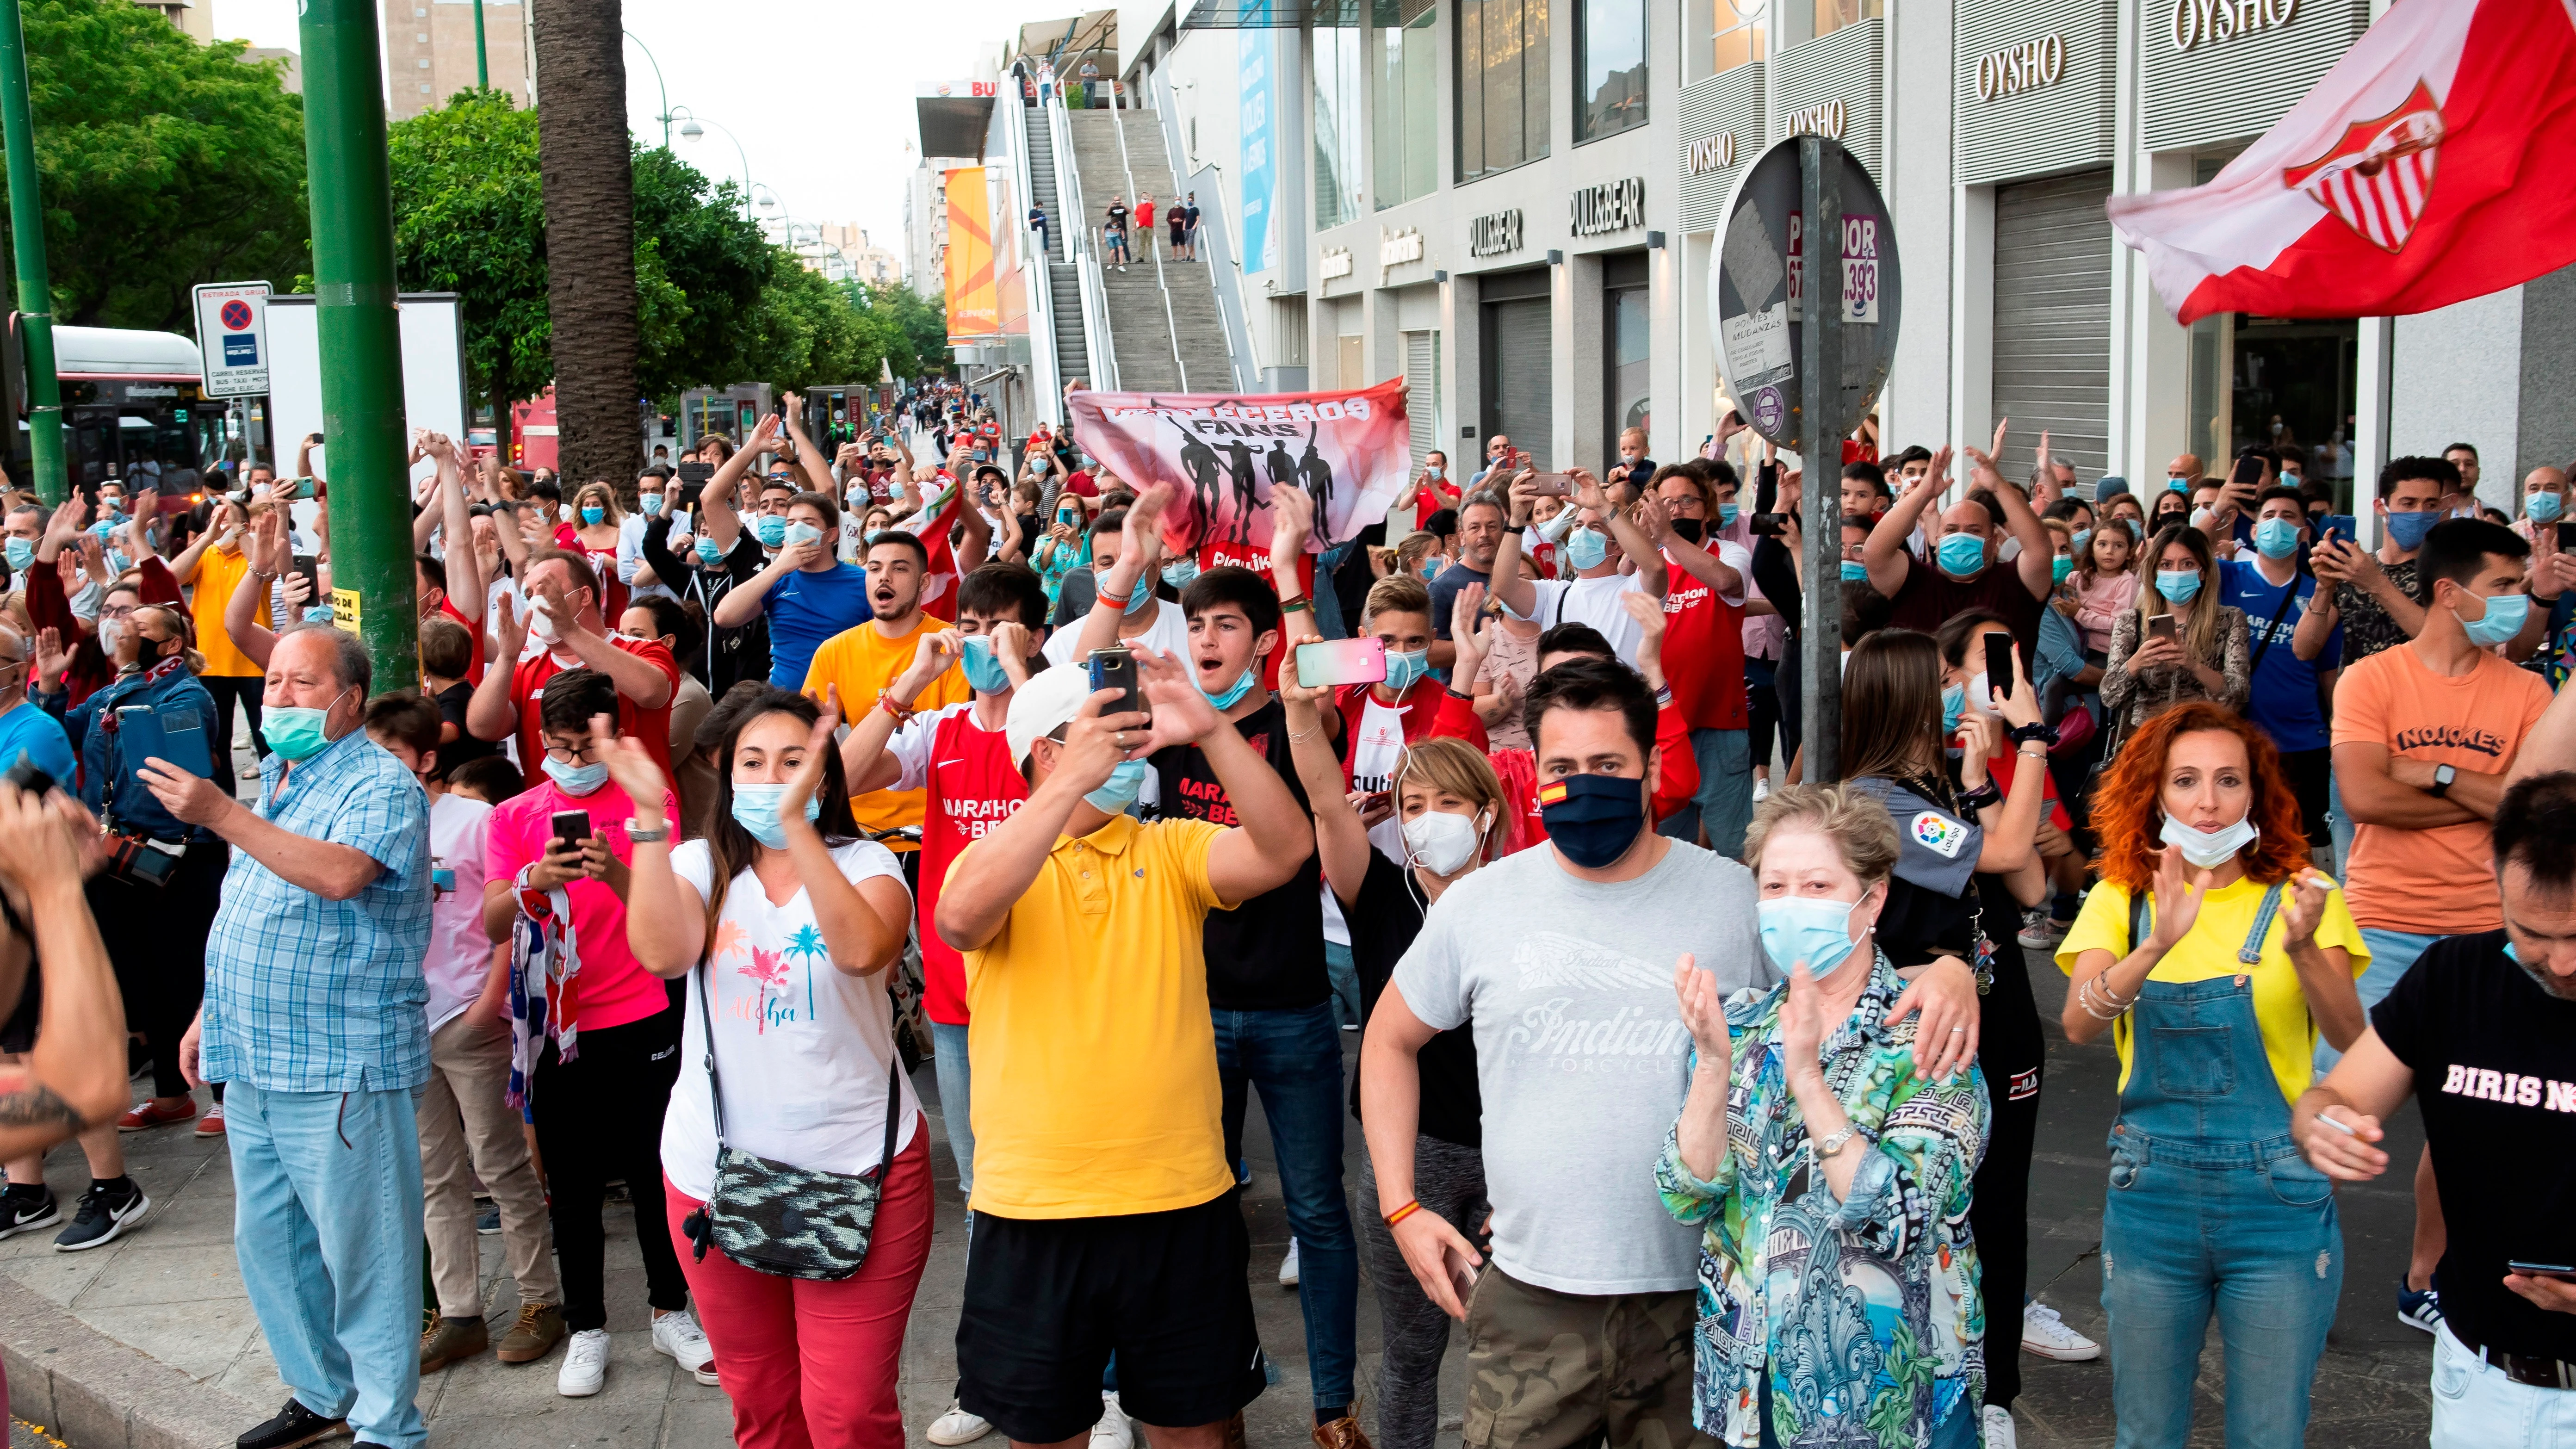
pixel 658 86
pixel 693 127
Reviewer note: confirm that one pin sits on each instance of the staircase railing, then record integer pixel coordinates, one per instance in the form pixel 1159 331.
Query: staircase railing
pixel 1035 288
pixel 1162 284
pixel 1223 263
pixel 1082 248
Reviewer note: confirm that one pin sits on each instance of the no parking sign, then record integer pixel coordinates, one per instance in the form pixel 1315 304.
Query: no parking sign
pixel 232 336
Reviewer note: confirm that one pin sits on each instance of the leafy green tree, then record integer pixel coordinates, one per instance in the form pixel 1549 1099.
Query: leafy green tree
pixel 469 218
pixel 164 163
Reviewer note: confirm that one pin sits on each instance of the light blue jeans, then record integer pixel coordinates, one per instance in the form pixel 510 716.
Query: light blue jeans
pixel 2391 953
pixel 1345 976
pixel 956 1077
pixel 2476 1407
pixel 1725 800
pixel 2338 825
pixel 327 1228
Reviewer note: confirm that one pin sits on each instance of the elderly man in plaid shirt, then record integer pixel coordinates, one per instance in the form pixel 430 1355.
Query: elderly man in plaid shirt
pixel 314 1017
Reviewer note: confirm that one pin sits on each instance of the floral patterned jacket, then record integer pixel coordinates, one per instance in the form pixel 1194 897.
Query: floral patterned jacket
pixel 1865 1312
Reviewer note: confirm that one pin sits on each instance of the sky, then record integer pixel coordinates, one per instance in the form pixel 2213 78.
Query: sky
pixel 820 94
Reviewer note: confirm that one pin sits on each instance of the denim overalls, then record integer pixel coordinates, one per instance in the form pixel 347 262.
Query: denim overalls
pixel 2211 1205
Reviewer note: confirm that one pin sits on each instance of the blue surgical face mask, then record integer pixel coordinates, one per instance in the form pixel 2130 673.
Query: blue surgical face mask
pixel 1229 696
pixel 2542 507
pixel 2060 568
pixel 1120 789
pixel 2082 537
pixel 577 779
pixel 1404 668
pixel 2178 586
pixel 709 553
pixel 984 673
pixel 318 614
pixel 1855 572
pixel 1801 928
pixel 1181 570
pixel 770 529
pixel 1961 554
pixel 652 504
pixel 2503 619
pixel 2276 538
pixel 1586 548
pixel 1727 513
pixel 2407 530
pixel 1954 699
pixel 592 513
pixel 755 808
pixel 802 533
pixel 22 553
pixel 2177 485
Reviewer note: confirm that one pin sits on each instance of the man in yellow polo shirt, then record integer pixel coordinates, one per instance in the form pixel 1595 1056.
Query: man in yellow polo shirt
pixel 1105 1214
pixel 866 659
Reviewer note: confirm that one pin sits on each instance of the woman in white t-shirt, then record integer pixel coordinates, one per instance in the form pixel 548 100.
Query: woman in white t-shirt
pixel 783 920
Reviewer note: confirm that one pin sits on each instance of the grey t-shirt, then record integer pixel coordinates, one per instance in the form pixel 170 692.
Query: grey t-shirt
pixel 1580 1048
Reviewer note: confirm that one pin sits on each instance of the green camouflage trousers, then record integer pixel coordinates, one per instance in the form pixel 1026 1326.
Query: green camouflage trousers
pixel 1550 1370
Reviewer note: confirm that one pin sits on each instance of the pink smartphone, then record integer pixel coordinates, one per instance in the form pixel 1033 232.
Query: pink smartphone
pixel 1341 661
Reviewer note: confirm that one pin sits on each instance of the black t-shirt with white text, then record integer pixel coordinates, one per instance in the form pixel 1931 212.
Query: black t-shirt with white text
pixel 1266 954
pixel 2494 1058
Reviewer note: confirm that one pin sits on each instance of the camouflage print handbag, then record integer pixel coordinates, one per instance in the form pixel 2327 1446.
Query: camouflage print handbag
pixel 795 1222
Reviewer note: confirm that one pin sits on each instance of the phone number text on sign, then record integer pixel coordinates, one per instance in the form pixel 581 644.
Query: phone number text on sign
pixel 1860 268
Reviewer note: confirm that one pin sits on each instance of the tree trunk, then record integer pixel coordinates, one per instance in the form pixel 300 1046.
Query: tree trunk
pixel 589 179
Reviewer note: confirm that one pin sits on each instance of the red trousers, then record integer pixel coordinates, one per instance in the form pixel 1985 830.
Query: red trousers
pixel 812 1365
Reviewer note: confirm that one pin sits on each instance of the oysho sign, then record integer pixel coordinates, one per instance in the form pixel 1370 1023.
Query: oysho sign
pixel 2200 22
pixel 1396 248
pixel 1827 119
pixel 1336 263
pixel 1710 153
pixel 1494 233
pixel 1610 206
pixel 2024 67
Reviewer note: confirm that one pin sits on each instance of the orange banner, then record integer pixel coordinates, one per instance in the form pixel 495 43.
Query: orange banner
pixel 974 309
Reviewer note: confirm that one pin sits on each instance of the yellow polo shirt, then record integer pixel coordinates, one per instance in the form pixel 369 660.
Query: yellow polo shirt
pixel 1094 1057
pixel 861 661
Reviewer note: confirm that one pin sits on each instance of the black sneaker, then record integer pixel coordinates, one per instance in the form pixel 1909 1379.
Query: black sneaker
pixel 26 1212
pixel 106 1214
pixel 294 1425
pixel 488 1221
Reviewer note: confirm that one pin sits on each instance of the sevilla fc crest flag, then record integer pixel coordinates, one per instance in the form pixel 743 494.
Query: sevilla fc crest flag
pixel 2436 162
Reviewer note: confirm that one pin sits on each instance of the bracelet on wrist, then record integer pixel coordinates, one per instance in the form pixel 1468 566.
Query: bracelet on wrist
pixel 1120 600
pixel 1411 1206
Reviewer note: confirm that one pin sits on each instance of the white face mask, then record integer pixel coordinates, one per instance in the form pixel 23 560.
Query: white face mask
pixel 542 625
pixel 1441 842
pixel 111 633
pixel 2210 849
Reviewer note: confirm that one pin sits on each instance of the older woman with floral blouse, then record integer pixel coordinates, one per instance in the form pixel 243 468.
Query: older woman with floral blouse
pixel 1838 1296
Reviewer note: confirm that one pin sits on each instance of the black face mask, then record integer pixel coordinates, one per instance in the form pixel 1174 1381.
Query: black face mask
pixel 1594 819
pixel 1690 528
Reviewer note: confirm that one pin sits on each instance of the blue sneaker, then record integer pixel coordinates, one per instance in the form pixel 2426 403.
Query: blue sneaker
pixel 488 1222
pixel 2420 1310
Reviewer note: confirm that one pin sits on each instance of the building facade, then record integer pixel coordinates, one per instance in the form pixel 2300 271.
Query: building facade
pixel 429 52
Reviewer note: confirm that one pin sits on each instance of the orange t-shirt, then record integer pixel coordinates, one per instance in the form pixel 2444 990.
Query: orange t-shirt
pixel 2437 882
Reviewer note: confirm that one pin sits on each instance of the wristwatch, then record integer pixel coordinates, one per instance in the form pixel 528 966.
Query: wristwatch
pixel 642 836
pixel 1835 1143
pixel 2443 775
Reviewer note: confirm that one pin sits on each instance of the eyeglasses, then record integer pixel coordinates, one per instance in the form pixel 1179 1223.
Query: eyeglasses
pixel 587 753
pixel 117 611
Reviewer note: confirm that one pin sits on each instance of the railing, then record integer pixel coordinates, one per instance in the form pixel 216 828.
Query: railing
pixel 1225 269
pixel 1162 284
pixel 1082 249
pixel 1034 284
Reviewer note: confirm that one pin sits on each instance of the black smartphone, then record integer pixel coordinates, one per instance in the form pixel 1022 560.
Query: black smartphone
pixel 311 568
pixel 27 775
pixel 1999 664
pixel 1115 668
pixel 2248 469
pixel 1734 418
pixel 572 827
pixel 1770 525
pixel 2566 535
pixel 696 474
pixel 2541 1270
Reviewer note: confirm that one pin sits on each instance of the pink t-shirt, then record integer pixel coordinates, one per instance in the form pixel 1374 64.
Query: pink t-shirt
pixel 615 989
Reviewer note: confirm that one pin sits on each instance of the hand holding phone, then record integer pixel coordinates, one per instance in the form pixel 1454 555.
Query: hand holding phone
pixel 1115 668
pixel 2161 626
pixel 1327 663
pixel 1999 665
pixel 1551 485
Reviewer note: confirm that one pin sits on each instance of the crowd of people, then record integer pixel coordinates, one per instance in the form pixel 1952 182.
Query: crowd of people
pixel 1704 1093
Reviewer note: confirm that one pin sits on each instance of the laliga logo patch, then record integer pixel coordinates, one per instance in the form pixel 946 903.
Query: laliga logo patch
pixel 2377 178
pixel 1939 834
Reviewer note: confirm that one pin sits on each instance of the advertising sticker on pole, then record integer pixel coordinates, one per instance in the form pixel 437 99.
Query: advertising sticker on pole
pixel 232 333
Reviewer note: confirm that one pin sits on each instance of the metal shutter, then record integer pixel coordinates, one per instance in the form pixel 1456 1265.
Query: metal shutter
pixel 1421 401
pixel 2053 318
pixel 1519 334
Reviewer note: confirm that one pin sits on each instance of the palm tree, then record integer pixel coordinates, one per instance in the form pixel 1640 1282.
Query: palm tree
pixel 587 169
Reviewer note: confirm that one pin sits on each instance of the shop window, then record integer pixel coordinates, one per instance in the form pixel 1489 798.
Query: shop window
pixel 1339 153
pixel 1628 334
pixel 2276 383
pixel 1610 60
pixel 1833 15
pixel 1738 35
pixel 1502 85
pixel 1405 137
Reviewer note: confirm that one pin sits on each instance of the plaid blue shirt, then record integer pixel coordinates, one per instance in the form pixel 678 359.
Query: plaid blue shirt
pixel 311 995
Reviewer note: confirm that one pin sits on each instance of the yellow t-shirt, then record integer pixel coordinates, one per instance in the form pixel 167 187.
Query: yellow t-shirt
pixel 1095 1067
pixel 2226 914
pixel 862 661
pixel 209 593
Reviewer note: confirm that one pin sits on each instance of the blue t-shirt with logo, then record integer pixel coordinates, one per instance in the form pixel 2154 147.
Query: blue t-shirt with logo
pixel 807 607
pixel 2284 698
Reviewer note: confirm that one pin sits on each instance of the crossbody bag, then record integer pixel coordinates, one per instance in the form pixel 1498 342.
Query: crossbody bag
pixel 794 1222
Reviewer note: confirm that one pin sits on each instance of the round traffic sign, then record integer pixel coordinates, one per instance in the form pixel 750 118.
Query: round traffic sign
pixel 236 315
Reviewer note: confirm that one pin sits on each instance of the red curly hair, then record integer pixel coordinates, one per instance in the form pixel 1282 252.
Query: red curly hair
pixel 2129 819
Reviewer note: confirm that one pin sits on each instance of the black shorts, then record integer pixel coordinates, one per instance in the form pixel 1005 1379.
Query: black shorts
pixel 1048 1300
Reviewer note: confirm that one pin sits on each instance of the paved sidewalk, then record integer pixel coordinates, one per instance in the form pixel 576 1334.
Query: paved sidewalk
pixel 149 1342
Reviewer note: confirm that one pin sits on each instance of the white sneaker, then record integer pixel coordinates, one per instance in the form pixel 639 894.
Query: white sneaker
pixel 2046 1334
pixel 1761 788
pixel 585 1365
pixel 1999 1428
pixel 958 1427
pixel 1288 1266
pixel 678 1335
pixel 1113 1431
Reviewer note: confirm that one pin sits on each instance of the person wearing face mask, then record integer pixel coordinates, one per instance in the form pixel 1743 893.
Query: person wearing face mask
pixel 1481 524
pixel 2296 652
pixel 701 573
pixel 743 548
pixel 1965 571
pixel 313 1022
pixel 2206 656
pixel 1132 597
pixel 655 497
pixel 805 593
pixel 569 633
pixel 2424 738
pixel 1814 1153
pixel 210 569
pixel 86 659
pixel 1100 1171
pixel 1705 603
pixel 2211 952
pixel 870 663
pixel 2373 596
pixel 778 927
pixel 599 530
pixel 1432 490
pixel 1601 538
pixel 594 1057
pixel 654 619
pixel 1372 724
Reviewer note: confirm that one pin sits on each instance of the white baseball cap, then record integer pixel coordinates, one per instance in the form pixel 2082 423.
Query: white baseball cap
pixel 1050 699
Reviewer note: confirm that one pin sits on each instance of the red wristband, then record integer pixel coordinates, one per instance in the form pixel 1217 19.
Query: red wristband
pixel 1406 1211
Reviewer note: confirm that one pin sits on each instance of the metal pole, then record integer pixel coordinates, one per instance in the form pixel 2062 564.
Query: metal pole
pixel 482 62
pixel 35 287
pixel 360 331
pixel 1820 432
pixel 663 90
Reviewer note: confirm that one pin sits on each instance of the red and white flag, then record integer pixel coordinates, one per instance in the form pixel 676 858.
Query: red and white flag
pixel 936 524
pixel 2436 162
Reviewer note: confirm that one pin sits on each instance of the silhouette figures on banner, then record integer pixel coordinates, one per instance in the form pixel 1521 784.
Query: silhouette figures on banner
pixel 1212 468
